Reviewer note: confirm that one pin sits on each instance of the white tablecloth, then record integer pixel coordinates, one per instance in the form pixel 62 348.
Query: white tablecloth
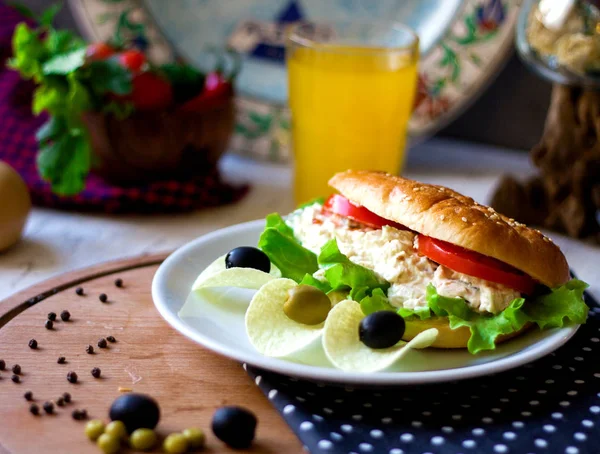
pixel 56 242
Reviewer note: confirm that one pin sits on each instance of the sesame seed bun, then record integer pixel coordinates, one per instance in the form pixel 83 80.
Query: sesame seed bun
pixel 449 338
pixel 445 214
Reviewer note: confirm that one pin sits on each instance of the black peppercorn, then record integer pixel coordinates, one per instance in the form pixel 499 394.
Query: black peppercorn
pixel 2 364
pixel 48 407
pixel 79 291
pixel 102 343
pixel 96 372
pixel 60 402
pixel 89 350
pixel 67 397
pixel 119 283
pixel 72 377
pixel 15 379
pixel 16 369
pixel 65 316
pixel 61 360
pixel 52 316
pixel 33 343
pixel 111 339
pixel 34 409
pixel 28 396
pixel 79 414
pixel 49 324
pixel 103 297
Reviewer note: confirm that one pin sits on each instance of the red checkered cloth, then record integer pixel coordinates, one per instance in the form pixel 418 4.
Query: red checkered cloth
pixel 19 148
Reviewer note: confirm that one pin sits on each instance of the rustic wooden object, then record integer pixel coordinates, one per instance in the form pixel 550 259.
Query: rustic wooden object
pixel 565 196
pixel 150 146
pixel 149 357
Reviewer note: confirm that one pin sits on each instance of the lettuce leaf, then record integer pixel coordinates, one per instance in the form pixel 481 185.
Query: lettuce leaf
pixel 311 280
pixel 422 312
pixel 564 304
pixel 375 303
pixel 561 305
pixel 285 252
pixel 342 273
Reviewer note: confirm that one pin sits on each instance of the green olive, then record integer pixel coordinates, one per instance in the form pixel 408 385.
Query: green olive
pixel 143 439
pixel 175 444
pixel 94 428
pixel 195 437
pixel 307 305
pixel 116 429
pixel 108 444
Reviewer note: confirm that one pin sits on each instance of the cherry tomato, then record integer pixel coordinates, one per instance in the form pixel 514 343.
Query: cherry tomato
pixel 475 264
pixel 132 59
pixel 150 92
pixel 98 51
pixel 217 89
pixel 339 204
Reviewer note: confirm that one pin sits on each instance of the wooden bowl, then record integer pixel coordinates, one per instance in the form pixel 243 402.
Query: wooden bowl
pixel 153 146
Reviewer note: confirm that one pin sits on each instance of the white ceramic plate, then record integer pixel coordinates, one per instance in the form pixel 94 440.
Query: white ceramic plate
pixel 221 327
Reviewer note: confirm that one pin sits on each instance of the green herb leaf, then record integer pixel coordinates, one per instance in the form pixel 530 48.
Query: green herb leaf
pixel 51 98
pixel 64 64
pixel 375 303
pixel 47 17
pixel 341 273
pixel 50 130
pixel 187 81
pixel 285 252
pixel 28 52
pixel 120 110
pixel 23 10
pixel 62 41
pixel 108 76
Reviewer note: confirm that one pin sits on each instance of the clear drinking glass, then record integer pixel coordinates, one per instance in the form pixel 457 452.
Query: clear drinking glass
pixel 351 93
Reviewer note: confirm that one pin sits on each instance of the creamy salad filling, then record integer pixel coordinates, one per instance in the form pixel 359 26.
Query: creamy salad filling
pixel 392 255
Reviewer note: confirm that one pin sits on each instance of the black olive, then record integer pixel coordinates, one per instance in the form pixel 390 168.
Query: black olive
pixel 248 257
pixel 381 329
pixel 137 411
pixel 234 426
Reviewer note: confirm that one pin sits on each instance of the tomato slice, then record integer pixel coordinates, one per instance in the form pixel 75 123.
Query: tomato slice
pixel 475 264
pixel 339 204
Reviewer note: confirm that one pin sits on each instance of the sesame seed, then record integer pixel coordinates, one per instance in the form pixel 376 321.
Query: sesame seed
pixel 491 210
pixel 499 223
pixel 494 216
pixel 409 198
pixel 442 217
pixel 474 223
pixel 464 219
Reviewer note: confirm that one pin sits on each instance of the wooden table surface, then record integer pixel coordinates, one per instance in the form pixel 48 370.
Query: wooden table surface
pixel 149 357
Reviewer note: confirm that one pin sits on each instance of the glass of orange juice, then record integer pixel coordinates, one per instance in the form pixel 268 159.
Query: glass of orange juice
pixel 351 92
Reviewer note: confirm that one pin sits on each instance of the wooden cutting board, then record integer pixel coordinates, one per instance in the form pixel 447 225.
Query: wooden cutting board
pixel 149 357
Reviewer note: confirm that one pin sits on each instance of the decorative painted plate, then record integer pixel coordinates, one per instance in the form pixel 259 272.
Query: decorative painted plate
pixel 463 43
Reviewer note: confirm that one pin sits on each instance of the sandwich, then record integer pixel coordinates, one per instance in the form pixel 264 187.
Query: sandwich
pixel 435 257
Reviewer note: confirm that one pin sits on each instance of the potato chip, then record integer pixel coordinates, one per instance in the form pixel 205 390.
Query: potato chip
pixel 217 275
pixel 272 332
pixel 345 350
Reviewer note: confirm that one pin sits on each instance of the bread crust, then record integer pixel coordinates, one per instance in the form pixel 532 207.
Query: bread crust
pixel 442 213
pixel 450 338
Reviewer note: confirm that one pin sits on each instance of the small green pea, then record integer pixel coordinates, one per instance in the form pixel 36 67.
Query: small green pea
pixel 307 305
pixel 116 429
pixel 94 428
pixel 143 439
pixel 108 444
pixel 175 444
pixel 195 437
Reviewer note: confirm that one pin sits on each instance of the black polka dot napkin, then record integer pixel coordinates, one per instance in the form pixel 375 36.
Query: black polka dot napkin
pixel 549 406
